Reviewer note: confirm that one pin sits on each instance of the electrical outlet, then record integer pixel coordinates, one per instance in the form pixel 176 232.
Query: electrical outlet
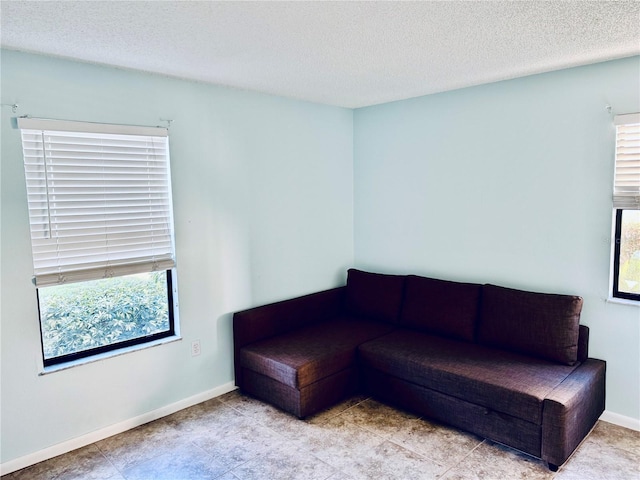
pixel 195 348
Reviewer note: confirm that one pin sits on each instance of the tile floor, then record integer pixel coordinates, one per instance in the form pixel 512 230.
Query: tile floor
pixel 234 437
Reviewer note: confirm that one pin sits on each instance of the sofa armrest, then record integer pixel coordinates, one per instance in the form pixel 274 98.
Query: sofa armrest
pixel 571 410
pixel 266 321
pixel 583 343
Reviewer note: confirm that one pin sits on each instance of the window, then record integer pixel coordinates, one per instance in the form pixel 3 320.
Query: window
pixel 626 204
pixel 100 216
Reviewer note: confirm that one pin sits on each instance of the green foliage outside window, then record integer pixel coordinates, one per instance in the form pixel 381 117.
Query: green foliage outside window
pixel 629 280
pixel 87 315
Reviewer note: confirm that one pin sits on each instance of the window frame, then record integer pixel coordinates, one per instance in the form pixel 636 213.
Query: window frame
pixel 112 347
pixel 617 235
pixel 626 194
pixel 165 259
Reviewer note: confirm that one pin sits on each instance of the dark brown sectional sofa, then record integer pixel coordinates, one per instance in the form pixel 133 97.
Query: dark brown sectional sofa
pixel 505 364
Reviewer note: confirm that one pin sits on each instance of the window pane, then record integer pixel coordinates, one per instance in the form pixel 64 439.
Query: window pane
pixel 629 276
pixel 89 315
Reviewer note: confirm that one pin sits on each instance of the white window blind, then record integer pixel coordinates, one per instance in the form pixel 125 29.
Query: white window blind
pixel 626 187
pixel 99 199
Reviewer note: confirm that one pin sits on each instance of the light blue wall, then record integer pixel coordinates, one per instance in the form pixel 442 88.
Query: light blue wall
pixel 508 183
pixel 263 195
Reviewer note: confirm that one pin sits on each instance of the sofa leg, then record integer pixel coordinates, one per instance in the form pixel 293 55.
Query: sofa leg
pixel 553 467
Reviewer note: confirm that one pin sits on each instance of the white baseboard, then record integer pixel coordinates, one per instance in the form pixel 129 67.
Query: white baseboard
pixel 89 438
pixel 621 420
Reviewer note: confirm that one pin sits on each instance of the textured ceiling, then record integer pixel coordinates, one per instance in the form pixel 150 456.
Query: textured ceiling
pixel 350 54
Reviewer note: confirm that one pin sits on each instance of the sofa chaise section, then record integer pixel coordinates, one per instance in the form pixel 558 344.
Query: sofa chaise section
pixel 313 367
pixel 300 354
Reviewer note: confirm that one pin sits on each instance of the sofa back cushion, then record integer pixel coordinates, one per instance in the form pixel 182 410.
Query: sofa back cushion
pixel 539 324
pixel 374 295
pixel 441 307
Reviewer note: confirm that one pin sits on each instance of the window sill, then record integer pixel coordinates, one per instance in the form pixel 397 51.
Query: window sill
pixel 623 301
pixel 103 356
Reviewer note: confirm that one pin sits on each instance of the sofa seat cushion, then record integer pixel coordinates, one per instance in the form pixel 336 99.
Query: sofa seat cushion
pixel 304 356
pixel 498 380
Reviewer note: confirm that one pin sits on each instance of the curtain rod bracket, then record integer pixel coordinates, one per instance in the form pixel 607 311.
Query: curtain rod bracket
pixel 14 106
